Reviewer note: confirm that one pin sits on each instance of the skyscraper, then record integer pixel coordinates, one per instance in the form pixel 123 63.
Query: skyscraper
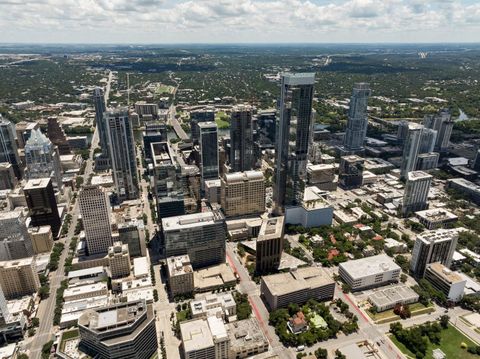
pixel 208 151
pixel 202 115
pixel 42 205
pixel 15 242
pixel 121 147
pixel 42 159
pixel 167 181
pixel 8 146
pixel 419 140
pixel 241 139
pixel 57 136
pixel 442 123
pixel 100 109
pixel 95 211
pixel 416 192
pixel 433 246
pixel 293 138
pixel 357 118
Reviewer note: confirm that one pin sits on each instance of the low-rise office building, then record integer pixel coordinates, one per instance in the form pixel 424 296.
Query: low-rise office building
pixel 219 305
pixel 246 339
pixel 120 331
pixel 41 238
pixel 205 338
pixel 436 218
pixel 466 187
pixel 443 279
pixel 85 291
pixel 314 211
pixel 369 272
pixel 297 286
pixel 386 298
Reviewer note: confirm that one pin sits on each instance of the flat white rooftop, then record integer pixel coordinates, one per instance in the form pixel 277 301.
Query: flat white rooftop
pixel 369 266
pixel 196 335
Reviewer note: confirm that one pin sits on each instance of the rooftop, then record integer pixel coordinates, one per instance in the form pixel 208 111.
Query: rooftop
pixel 196 335
pixel 37 183
pixel 244 334
pixel 140 267
pixel 179 265
pixel 368 266
pixel 271 228
pixel 443 272
pixel 297 280
pixel 237 177
pixel 416 175
pixel 194 220
pixel 436 214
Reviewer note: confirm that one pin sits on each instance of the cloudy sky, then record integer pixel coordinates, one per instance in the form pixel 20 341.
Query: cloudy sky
pixel 224 21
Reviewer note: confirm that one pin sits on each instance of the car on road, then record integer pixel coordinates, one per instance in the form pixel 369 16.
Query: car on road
pixel 300 348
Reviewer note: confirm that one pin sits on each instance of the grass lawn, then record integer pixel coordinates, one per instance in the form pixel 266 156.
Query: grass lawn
pixel 388 315
pixel 182 315
pixel 450 342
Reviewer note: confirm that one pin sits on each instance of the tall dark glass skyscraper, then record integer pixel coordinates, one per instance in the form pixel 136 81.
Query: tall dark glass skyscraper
pixel 208 150
pixel 8 147
pixel 121 146
pixel 357 118
pixel 100 109
pixel 442 123
pixel 241 139
pixel 293 137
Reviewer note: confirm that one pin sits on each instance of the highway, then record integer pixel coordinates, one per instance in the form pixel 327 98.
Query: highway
pixel 46 307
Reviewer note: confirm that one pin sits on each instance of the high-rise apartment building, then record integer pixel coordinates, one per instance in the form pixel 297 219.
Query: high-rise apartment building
pixel 57 136
pixel 442 123
pixel 167 181
pixel 4 312
pixel 427 161
pixel 41 238
pixel 42 159
pixel 8 146
pixel 19 277
pixel 42 205
pixel 416 192
pixel 208 141
pixel 15 241
pixel 350 172
pixel 197 116
pixel 119 260
pixel 269 245
pixel 243 193
pixel 180 275
pixel 357 118
pixel 431 247
pixel 200 235
pixel 293 138
pixel 419 140
pixel 95 210
pixel 100 109
pixel 121 147
pixel 241 138
pixel 118 331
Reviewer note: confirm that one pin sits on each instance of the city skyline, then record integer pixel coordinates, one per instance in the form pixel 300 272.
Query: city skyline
pixel 352 21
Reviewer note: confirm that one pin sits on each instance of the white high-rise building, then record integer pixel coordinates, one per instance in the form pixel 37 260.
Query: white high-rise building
pixel 357 118
pixel 95 211
pixel 431 247
pixel 412 148
pixel 42 159
pixel 442 123
pixel 416 192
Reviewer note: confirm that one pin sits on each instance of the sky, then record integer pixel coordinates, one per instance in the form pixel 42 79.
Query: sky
pixel 239 21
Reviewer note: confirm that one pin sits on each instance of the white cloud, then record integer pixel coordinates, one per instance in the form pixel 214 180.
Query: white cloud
pixel 237 20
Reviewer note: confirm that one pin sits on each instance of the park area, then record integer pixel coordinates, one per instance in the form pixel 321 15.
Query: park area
pixel 425 340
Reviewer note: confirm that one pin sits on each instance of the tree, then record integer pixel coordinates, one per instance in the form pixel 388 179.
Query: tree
pixel 22 356
pixel 403 278
pixel 321 353
pixel 444 321
pixel 339 355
